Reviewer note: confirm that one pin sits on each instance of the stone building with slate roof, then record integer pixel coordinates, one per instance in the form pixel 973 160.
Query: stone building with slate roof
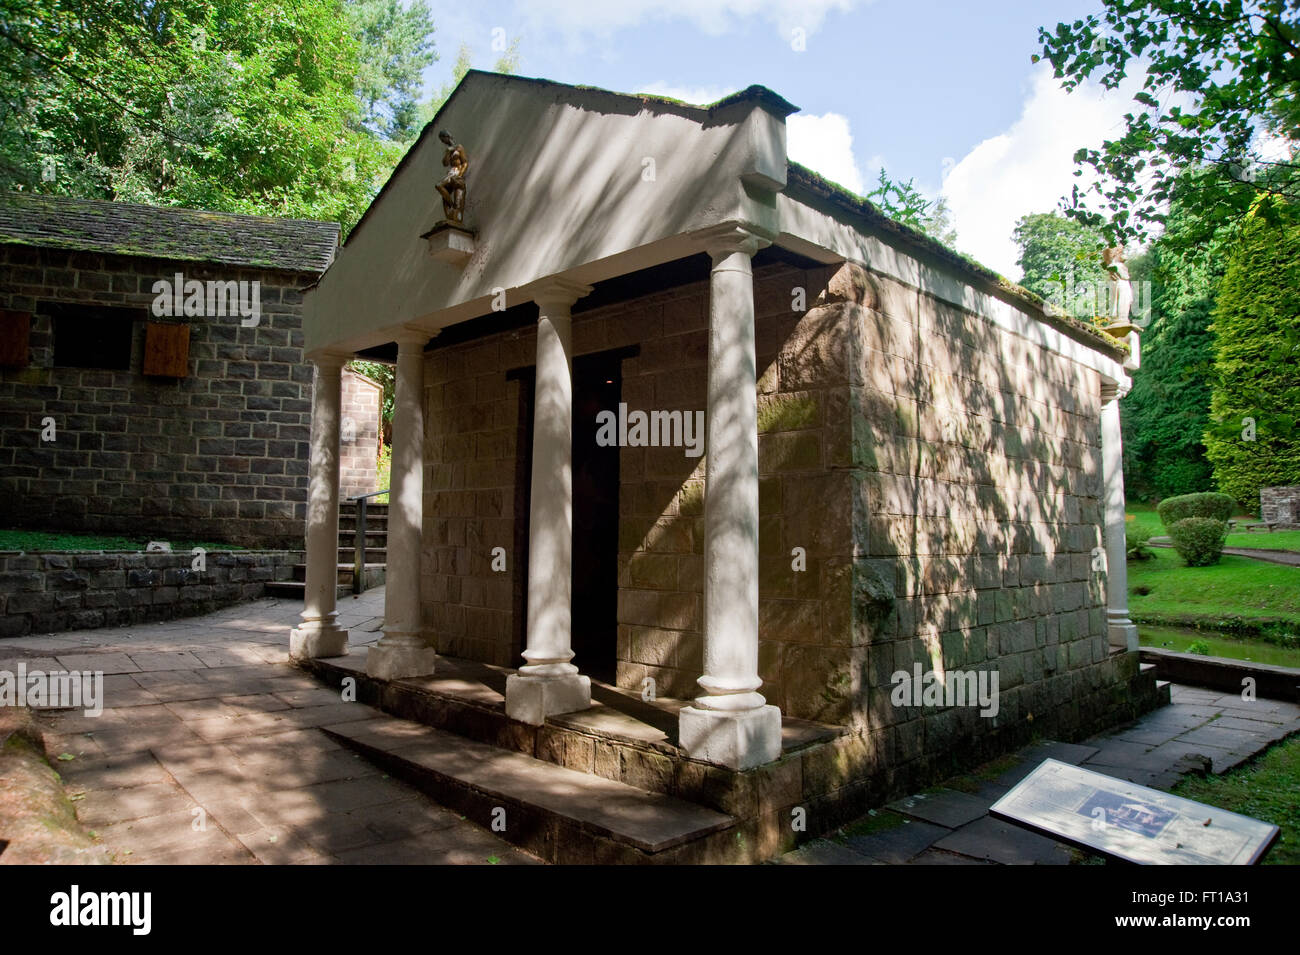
pixel 181 413
pixel 911 465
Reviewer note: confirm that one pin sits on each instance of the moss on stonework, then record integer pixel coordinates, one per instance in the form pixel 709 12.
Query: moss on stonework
pixel 875 821
pixel 786 413
pixel 690 499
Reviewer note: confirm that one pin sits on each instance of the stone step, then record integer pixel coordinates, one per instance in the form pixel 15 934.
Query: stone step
pixel 374 555
pixel 348 538
pixel 562 815
pixel 294 589
pixel 346 570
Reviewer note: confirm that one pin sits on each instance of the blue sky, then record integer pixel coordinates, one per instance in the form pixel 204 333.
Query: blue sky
pixel 942 91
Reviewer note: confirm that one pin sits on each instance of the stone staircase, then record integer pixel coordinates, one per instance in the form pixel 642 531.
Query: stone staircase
pixel 610 784
pixel 376 554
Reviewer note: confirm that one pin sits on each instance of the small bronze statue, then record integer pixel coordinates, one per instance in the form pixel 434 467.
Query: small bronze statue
pixel 452 187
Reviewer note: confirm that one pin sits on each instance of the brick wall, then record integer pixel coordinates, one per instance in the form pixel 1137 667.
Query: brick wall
pixel 220 454
pixel 359 435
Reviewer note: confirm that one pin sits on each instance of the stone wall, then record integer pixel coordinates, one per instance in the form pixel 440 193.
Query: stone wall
pixel 48 592
pixel 359 435
pixel 929 493
pixel 1279 505
pixel 220 454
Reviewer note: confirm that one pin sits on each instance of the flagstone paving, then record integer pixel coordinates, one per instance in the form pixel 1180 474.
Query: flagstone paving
pixel 209 750
pixel 1199 730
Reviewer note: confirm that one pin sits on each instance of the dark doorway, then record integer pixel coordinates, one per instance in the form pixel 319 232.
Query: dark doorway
pixel 597 386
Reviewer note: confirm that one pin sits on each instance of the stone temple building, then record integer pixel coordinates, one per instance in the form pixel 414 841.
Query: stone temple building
pixel 152 378
pixel 909 465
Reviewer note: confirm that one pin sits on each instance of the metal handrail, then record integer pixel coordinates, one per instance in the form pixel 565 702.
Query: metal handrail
pixel 359 551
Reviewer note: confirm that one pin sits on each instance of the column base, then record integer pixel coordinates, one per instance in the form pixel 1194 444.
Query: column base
pixel 530 699
pixel 312 642
pixel 738 740
pixel 400 659
pixel 1123 633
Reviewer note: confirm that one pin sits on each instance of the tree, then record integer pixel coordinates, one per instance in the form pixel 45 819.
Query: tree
pixel 233 105
pixel 1221 77
pixel 396 48
pixel 1060 259
pixel 904 203
pixel 1166 414
pixel 1252 440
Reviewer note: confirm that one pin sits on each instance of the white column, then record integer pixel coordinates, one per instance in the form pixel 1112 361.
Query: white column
pixel 319 635
pixel 401 652
pixel 548 684
pixel 731 724
pixel 1122 632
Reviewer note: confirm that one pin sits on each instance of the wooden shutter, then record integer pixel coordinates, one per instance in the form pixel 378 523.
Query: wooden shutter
pixel 15 332
pixel 166 350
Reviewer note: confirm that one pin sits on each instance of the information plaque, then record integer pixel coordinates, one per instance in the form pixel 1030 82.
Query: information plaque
pixel 1126 821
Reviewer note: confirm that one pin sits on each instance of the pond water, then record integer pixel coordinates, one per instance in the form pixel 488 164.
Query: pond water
pixel 1221 645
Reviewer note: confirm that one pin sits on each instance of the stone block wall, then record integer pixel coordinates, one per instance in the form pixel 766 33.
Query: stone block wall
pixel 48 592
pixel 929 493
pixel 220 454
pixel 359 435
pixel 1279 505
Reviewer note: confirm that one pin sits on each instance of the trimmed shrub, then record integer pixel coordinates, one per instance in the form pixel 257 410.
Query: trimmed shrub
pixel 1199 540
pixel 1174 509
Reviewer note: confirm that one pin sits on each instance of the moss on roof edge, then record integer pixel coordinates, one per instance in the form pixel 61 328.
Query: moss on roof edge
pixel 805 178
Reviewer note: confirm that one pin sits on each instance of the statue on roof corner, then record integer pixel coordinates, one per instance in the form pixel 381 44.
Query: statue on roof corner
pixel 1121 289
pixel 452 187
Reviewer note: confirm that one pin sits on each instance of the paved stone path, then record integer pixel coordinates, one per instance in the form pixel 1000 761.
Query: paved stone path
pixel 1288 557
pixel 208 750
pixel 1199 729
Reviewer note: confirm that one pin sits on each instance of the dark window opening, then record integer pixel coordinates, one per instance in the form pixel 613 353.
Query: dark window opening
pixel 92 336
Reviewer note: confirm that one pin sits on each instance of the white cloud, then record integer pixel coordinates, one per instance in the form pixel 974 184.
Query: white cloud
pixel 825 145
pixel 1030 166
pixel 576 19
pixel 695 95
pixel 822 143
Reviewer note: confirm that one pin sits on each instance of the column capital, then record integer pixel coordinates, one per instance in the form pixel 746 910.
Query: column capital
pixel 1112 390
pixel 729 238
pixel 412 335
pixel 329 360
pixel 557 293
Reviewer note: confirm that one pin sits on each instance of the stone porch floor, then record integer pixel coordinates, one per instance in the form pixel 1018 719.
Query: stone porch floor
pixel 207 714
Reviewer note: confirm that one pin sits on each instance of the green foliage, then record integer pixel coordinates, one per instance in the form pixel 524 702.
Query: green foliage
pixel 1205 504
pixel 1218 77
pixel 1135 543
pixel 396 47
pixel 250 106
pixel 1199 647
pixel 1166 413
pixel 904 203
pixel 1252 440
pixel 1060 259
pixel 1199 540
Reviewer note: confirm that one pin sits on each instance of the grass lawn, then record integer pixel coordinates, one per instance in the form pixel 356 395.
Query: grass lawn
pixel 1278 540
pixel 1267 788
pixel 53 540
pixel 1180 639
pixel 1165 590
pixel 1144 517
